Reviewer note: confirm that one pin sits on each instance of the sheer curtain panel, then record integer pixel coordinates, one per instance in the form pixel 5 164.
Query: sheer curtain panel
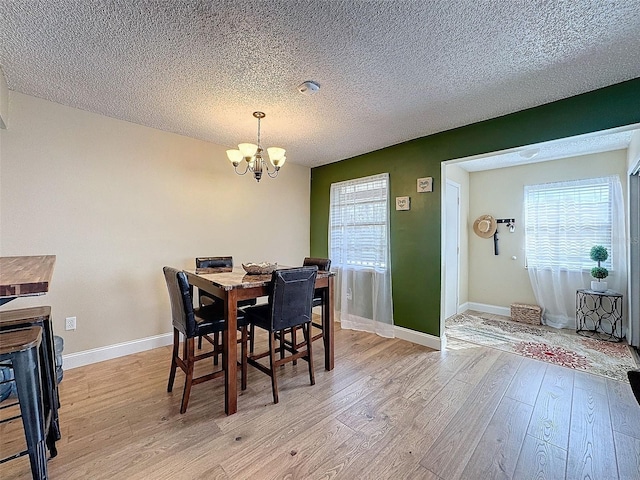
pixel 360 254
pixel 563 220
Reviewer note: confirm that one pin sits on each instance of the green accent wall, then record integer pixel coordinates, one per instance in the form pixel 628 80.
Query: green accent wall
pixel 415 234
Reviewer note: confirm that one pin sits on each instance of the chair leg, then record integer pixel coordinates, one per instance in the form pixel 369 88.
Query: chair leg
pixel 188 355
pixel 243 354
pixel 252 332
pixel 216 340
pixel 306 330
pixel 293 341
pixel 282 334
pixel 272 362
pixel 174 355
pixel 199 342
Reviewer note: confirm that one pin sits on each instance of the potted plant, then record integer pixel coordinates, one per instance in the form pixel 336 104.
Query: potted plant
pixel 599 254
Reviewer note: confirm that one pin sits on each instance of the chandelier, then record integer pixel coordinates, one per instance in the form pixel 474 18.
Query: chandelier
pixel 252 154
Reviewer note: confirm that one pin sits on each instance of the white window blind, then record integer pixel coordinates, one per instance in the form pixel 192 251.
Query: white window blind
pixel 358 230
pixel 564 220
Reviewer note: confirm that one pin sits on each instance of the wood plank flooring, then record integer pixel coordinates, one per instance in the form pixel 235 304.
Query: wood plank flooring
pixel 389 410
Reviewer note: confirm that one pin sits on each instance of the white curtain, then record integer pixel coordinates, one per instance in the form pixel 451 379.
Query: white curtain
pixel 563 220
pixel 360 254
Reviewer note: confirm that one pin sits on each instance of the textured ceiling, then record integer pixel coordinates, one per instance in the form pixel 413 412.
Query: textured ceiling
pixel 389 71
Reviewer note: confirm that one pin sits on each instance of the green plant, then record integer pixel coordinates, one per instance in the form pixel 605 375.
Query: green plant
pixel 599 254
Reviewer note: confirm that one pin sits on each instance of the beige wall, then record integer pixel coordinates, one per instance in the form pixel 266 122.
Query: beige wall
pixel 461 177
pixel 117 201
pixel 499 280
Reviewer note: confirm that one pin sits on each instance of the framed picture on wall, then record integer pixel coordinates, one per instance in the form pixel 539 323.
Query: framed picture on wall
pixel 403 203
pixel 425 184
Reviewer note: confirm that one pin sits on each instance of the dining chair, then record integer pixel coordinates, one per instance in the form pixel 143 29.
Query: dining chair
pixel 323 264
pixel 205 298
pixel 191 323
pixel 289 305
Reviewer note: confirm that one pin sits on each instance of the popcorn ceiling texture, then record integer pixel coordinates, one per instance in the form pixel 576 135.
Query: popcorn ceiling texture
pixel 389 71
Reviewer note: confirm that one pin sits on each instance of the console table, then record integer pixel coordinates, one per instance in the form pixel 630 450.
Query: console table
pixel 599 315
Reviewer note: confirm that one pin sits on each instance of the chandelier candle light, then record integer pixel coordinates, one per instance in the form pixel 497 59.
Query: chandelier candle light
pixel 252 154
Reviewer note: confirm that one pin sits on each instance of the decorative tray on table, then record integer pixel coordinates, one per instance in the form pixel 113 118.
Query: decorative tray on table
pixel 263 268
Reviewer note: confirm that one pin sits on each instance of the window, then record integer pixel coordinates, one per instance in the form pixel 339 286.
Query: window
pixel 358 222
pixel 564 220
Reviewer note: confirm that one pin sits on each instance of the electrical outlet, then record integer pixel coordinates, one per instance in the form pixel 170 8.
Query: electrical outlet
pixel 70 323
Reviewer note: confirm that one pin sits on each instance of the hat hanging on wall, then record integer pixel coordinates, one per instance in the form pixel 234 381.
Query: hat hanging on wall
pixel 485 226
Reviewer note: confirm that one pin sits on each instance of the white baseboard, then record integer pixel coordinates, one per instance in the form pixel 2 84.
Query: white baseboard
pixel 101 354
pixel 95 355
pixel 463 308
pixel 482 307
pixel 420 338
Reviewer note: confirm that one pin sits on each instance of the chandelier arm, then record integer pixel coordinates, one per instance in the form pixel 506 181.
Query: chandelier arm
pixel 275 173
pixel 245 170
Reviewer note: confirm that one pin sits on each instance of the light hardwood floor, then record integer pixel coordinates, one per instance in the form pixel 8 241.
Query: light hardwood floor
pixel 389 410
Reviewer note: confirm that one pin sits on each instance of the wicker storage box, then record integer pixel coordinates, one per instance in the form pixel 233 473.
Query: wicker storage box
pixel 521 312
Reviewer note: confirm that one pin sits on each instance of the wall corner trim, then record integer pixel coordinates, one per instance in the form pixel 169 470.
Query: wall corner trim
pixel 420 338
pixel 95 355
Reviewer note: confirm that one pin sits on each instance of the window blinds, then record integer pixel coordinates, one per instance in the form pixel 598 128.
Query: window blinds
pixel 358 231
pixel 564 220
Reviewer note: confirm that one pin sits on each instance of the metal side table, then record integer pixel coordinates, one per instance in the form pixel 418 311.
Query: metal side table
pixel 599 315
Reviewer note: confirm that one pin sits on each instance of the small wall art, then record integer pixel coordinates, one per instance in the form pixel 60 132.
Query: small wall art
pixel 425 184
pixel 403 203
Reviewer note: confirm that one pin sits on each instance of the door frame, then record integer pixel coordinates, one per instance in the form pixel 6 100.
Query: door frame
pixel 452 217
pixel 443 237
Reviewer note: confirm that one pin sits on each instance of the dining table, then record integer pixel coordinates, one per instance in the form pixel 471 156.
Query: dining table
pixel 233 284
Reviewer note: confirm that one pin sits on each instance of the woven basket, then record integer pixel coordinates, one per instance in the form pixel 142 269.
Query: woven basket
pixel 521 312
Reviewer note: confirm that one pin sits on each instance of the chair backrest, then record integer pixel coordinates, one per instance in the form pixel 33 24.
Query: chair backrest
pixel 181 304
pixel 291 296
pixel 214 262
pixel 323 264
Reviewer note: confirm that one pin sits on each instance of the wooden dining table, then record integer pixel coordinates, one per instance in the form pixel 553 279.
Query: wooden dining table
pixel 233 284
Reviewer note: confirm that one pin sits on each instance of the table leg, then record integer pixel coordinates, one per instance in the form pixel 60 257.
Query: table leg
pixel 230 349
pixel 328 325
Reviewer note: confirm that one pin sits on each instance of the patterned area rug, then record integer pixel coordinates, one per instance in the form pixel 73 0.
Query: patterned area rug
pixel 545 343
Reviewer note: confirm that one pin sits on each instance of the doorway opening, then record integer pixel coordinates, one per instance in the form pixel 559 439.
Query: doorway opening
pixel 485 283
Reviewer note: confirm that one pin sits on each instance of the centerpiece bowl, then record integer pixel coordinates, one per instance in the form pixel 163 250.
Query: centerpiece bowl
pixel 264 268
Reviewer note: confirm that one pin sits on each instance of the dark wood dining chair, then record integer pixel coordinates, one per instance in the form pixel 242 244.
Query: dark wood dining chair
pixel 290 303
pixel 323 264
pixel 192 323
pixel 205 298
